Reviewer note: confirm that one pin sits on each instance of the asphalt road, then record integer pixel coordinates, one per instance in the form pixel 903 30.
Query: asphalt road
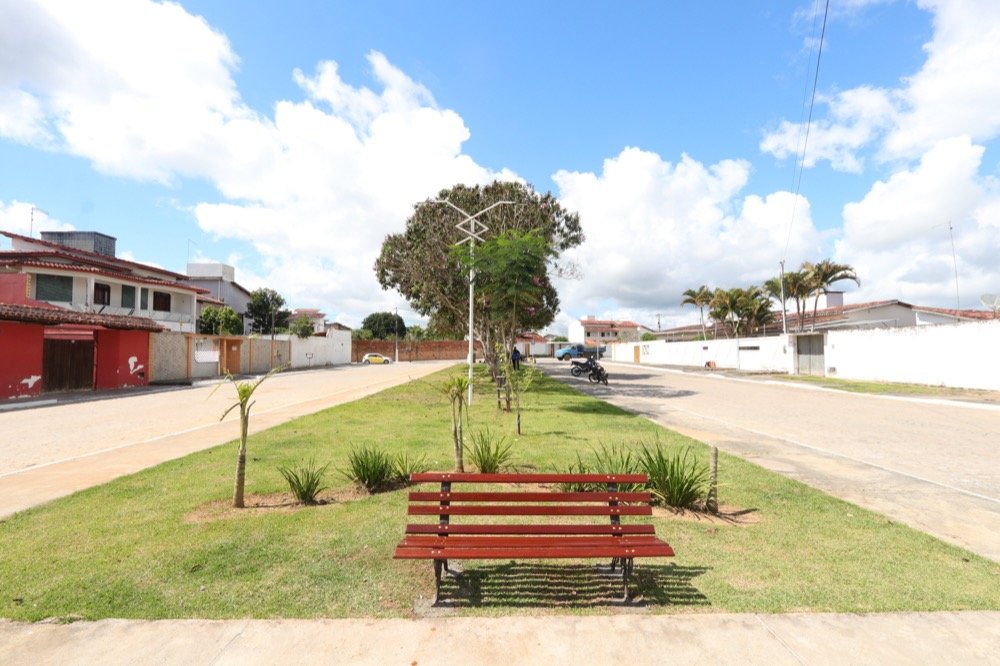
pixel 932 464
pixel 57 449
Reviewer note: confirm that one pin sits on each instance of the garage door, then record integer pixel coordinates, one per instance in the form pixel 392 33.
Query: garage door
pixel 67 365
pixel 809 349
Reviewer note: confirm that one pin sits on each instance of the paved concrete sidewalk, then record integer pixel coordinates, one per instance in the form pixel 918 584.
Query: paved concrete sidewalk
pixel 906 638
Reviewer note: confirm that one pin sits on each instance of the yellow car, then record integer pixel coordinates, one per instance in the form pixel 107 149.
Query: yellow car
pixel 375 358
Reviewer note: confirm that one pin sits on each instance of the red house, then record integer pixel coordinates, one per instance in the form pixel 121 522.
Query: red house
pixel 45 349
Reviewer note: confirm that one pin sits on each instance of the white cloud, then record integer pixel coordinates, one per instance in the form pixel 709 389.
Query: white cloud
pixel 955 93
pixel 897 236
pixel 144 95
pixel 655 229
pixel 314 189
pixel 24 218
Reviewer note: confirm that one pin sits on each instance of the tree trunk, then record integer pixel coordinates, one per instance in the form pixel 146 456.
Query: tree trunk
pixel 241 463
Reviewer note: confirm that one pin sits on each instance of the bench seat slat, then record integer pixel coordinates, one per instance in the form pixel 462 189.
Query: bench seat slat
pixel 533 552
pixel 435 528
pixel 530 510
pixel 472 477
pixel 530 497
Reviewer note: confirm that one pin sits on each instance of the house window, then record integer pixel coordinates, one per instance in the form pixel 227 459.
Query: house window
pixel 128 296
pixel 54 288
pixel 102 294
pixel 161 301
pixel 143 299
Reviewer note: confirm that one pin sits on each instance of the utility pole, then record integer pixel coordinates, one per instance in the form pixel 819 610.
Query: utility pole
pixel 784 321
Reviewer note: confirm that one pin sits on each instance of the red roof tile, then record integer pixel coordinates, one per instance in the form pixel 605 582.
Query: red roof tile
pixel 33 314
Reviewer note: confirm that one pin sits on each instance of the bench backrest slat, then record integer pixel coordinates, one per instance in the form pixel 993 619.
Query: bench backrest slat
pixel 530 510
pixel 469 477
pixel 431 528
pixel 530 497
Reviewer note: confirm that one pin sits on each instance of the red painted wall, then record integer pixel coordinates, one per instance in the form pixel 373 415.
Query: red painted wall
pixel 122 359
pixel 20 360
pixel 14 288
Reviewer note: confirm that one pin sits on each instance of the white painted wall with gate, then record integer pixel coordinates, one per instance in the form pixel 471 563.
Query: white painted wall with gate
pixel 965 355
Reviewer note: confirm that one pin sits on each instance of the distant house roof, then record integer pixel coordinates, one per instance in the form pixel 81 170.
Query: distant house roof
pixel 609 324
pixel 531 336
pixel 53 316
pixel 92 257
pixel 84 265
pixel 312 313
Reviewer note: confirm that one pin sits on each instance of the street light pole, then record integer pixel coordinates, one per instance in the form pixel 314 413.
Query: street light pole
pixel 471 236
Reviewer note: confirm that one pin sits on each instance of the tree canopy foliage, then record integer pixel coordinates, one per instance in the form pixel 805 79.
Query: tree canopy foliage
pixel 302 327
pixel 384 325
pixel 420 264
pixel 220 321
pixel 267 309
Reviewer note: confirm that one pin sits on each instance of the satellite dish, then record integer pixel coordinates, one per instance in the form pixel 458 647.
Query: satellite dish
pixel 991 301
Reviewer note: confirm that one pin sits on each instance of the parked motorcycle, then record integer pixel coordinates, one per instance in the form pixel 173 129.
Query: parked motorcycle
pixel 579 368
pixel 598 375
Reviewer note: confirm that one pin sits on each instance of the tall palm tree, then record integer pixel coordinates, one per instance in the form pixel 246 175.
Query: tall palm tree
pixel 797 287
pixel 821 276
pixel 700 297
pixel 725 308
pixel 755 309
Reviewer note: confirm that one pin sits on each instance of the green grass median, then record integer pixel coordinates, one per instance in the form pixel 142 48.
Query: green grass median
pixel 164 544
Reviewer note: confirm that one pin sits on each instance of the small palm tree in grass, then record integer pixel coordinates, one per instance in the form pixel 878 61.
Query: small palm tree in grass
pixel 244 393
pixel 456 389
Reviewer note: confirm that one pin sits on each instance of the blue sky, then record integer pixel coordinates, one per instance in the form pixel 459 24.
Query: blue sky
pixel 289 139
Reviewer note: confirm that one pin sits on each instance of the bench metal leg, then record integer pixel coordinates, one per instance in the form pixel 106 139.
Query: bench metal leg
pixel 438 566
pixel 627 566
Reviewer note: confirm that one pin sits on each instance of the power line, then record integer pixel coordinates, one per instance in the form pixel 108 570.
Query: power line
pixel 805 141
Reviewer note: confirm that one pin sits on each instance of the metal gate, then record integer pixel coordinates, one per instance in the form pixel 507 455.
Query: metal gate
pixel 67 365
pixel 809 350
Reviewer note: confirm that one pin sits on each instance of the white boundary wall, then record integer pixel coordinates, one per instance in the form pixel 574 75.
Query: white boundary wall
pixel 334 349
pixel 963 355
pixel 771 354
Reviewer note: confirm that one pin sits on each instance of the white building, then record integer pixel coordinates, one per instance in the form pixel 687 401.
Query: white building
pixel 602 331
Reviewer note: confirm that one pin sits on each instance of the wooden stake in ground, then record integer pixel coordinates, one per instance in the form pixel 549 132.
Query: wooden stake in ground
pixel 712 501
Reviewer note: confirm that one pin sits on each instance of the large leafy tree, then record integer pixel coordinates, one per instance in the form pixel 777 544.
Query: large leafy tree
pixel 420 264
pixel 267 309
pixel 384 325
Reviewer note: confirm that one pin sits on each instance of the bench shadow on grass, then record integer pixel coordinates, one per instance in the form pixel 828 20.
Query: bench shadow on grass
pixel 539 585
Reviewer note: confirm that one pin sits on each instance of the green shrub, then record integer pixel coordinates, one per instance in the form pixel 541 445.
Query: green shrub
pixel 675 480
pixel 371 467
pixel 305 482
pixel 489 453
pixel 613 459
pixel 403 466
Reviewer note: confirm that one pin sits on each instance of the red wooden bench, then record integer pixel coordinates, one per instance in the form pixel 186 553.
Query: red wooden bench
pixel 588 526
